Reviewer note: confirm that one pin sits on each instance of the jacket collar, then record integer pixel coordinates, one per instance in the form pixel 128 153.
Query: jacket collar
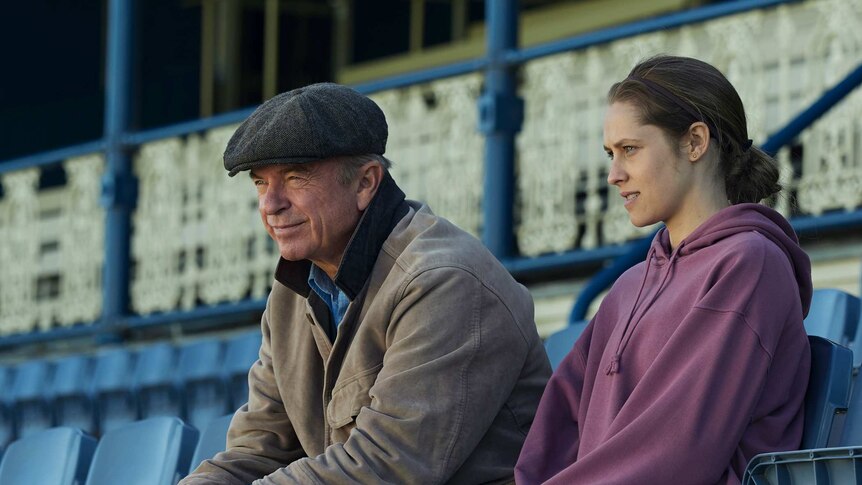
pixel 386 209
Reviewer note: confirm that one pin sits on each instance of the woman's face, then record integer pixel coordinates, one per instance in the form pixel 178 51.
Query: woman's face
pixel 653 176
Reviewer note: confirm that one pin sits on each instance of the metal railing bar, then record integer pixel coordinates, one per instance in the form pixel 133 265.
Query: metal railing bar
pixel 663 22
pixel 811 114
pixel 53 157
pixel 187 127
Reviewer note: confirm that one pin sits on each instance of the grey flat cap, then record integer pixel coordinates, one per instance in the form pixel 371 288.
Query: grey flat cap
pixel 306 124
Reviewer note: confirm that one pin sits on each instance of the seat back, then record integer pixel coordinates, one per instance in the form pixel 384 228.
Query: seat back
pixel 213 440
pixel 112 389
pixel 834 314
pixel 69 393
pixel 851 433
pixel 56 456
pixel 156 381
pixel 559 344
pixel 155 451
pixel 828 392
pixel 203 388
pixel 7 424
pixel 242 351
pixel 29 397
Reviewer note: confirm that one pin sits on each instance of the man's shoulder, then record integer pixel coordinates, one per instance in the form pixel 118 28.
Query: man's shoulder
pixel 424 241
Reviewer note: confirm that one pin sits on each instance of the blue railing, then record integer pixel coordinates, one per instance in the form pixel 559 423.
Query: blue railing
pixel 500 118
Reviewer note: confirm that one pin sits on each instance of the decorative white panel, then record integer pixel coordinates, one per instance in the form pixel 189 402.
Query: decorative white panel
pixel 51 248
pixel 197 235
pixel 779 59
pixel 435 147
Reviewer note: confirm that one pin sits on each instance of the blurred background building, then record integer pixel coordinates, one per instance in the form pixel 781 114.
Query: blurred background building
pixel 119 226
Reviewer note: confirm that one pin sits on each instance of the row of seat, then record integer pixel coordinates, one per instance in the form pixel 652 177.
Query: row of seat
pixel 195 381
pixel 155 451
pixel 159 450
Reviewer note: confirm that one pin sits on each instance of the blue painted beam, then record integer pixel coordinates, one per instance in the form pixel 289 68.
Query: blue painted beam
pixel 53 157
pixel 222 312
pixel 501 112
pixel 118 196
pixel 185 128
pixel 655 24
pixel 423 76
pixel 806 118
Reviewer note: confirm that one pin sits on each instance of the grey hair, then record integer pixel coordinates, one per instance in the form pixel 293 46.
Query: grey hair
pixel 351 164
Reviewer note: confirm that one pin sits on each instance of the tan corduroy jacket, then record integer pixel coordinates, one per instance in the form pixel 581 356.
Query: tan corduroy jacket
pixel 434 375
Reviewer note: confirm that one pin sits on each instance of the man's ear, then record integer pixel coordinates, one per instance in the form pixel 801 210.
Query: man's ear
pixel 698 137
pixel 370 176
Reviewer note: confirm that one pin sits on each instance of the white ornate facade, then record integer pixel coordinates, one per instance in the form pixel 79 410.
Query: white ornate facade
pixel 197 238
pixel 51 248
pixel 436 148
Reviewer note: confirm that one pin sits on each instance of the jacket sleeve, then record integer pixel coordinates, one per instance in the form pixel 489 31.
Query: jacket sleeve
pixel 454 356
pixel 554 436
pixel 260 438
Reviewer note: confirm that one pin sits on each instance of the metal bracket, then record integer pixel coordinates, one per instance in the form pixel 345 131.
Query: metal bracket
pixel 500 113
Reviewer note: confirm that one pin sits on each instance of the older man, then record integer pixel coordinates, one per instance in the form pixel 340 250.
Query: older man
pixel 395 349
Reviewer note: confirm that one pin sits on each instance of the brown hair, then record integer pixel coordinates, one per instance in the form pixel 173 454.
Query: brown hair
pixel 674 92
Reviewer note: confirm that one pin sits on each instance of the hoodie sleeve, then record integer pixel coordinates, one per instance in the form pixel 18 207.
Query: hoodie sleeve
pixel 553 440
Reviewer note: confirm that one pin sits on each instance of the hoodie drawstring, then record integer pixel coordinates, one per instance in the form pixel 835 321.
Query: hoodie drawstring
pixel 625 337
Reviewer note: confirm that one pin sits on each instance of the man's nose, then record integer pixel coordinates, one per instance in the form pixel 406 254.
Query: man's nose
pixel 272 201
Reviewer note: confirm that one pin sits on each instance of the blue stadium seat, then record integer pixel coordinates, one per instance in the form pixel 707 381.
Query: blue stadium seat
pixel 203 389
pixel 56 456
pixel 7 424
pixel 112 389
pixel 156 381
pixel 828 393
pixel 155 451
pixel 213 440
pixel 242 351
pixel 851 433
pixel 70 395
pixel 826 401
pixel 29 393
pixel 834 314
pixel 559 344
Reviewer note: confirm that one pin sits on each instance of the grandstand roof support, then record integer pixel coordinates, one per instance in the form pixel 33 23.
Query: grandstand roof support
pixel 118 183
pixel 501 113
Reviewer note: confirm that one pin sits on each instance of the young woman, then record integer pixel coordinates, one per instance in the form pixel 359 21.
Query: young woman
pixel 697 358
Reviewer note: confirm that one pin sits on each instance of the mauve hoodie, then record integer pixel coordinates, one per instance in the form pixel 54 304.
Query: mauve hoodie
pixel 696 361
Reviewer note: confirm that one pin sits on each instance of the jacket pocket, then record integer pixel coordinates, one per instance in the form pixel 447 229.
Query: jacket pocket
pixel 350 396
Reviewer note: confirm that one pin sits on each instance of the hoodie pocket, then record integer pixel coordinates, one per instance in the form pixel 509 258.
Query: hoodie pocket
pixel 350 396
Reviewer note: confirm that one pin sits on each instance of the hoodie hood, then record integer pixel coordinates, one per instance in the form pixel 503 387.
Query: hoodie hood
pixel 734 220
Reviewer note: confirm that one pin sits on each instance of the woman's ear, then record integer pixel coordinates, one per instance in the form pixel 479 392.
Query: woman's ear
pixel 699 136
pixel 370 176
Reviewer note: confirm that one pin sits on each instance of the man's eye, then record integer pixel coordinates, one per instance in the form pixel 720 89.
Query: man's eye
pixel 628 148
pixel 609 154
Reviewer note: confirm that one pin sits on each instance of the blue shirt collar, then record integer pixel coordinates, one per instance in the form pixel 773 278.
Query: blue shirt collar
pixel 328 291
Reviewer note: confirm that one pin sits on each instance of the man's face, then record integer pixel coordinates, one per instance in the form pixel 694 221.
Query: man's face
pixel 307 211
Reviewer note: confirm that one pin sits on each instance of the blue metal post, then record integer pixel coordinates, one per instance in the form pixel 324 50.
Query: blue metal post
pixel 501 112
pixel 118 195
